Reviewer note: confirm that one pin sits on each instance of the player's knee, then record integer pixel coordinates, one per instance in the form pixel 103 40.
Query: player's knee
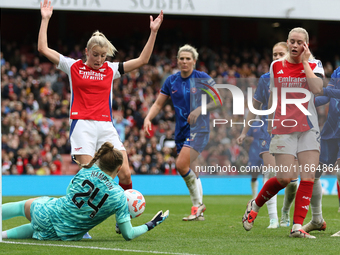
pixel 284 181
pixel 182 168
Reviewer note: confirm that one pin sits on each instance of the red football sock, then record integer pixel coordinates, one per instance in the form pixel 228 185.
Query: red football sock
pixel 269 189
pixel 302 201
pixel 125 186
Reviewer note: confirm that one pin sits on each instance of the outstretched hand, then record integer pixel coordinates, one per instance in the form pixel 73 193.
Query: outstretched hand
pixel 155 24
pixel 46 9
pixel 157 219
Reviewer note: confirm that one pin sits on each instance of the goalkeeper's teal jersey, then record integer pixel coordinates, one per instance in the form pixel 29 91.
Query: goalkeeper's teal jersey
pixel 92 197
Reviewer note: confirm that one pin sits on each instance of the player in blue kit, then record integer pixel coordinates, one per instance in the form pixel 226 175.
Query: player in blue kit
pixel 330 147
pixel 92 196
pixel 192 129
pixel 254 161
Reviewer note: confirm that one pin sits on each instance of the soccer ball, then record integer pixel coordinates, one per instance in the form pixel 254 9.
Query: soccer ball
pixel 136 202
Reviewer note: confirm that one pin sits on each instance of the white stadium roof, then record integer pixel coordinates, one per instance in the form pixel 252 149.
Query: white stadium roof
pixel 292 9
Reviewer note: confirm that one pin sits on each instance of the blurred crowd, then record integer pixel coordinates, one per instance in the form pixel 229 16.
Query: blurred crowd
pixel 35 101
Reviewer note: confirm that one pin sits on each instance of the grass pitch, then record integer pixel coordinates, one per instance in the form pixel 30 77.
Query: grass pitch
pixel 220 233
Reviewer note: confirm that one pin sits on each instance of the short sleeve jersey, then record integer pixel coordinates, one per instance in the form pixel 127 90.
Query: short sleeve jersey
pixel 287 75
pixel 91 90
pixel 262 95
pixel 331 128
pixel 186 94
pixel 91 198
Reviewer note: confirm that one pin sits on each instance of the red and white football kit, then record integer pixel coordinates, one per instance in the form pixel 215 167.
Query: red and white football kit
pixel 295 131
pixel 91 119
pixel 287 75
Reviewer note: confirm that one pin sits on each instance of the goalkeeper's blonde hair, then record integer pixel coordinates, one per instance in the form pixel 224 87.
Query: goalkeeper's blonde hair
pixel 190 49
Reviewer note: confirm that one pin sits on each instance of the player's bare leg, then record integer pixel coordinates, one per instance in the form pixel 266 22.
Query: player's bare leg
pixel 124 174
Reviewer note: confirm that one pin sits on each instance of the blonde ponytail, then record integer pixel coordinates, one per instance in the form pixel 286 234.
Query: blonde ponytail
pixel 99 39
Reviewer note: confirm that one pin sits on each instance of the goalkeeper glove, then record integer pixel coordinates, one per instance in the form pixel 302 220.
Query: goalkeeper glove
pixel 157 219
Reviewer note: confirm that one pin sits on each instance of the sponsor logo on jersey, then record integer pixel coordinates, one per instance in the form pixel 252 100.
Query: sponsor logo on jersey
pixel 302 71
pixel 78 149
pixel 82 68
pixel 91 75
pixel 280 72
pixel 74 113
pixel 280 147
pixel 102 70
pixel 174 91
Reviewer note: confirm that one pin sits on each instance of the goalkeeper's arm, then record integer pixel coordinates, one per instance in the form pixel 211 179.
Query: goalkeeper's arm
pixel 130 232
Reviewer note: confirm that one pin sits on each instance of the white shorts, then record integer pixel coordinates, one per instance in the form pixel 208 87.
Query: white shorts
pixel 87 136
pixel 295 142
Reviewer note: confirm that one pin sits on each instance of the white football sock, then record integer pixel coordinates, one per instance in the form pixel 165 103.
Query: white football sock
pixel 190 180
pixel 296 227
pixel 290 192
pixel 254 186
pixel 316 202
pixel 200 189
pixel 4 235
pixel 255 207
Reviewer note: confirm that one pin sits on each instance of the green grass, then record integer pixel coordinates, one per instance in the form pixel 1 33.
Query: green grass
pixel 220 233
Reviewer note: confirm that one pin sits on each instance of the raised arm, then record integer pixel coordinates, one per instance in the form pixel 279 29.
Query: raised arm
pixel 154 110
pixel 315 83
pixel 46 13
pixel 148 48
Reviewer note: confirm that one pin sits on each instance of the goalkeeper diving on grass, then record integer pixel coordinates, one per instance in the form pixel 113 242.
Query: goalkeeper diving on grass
pixel 92 196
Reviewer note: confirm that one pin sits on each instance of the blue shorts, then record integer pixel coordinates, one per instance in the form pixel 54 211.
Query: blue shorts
pixel 264 143
pixel 42 226
pixel 330 152
pixel 197 142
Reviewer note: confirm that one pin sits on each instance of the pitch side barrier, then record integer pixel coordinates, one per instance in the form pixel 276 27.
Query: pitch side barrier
pixel 161 185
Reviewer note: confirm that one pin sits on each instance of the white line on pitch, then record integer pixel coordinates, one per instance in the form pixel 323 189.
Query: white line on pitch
pixel 97 248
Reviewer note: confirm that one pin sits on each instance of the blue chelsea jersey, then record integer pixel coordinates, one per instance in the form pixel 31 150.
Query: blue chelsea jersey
pixel 186 96
pixel 261 95
pixel 331 128
pixel 255 146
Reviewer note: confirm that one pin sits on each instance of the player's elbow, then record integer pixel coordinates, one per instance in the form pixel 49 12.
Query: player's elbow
pixel 127 237
pixel 42 49
pixel 317 91
pixel 317 87
pixel 144 61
